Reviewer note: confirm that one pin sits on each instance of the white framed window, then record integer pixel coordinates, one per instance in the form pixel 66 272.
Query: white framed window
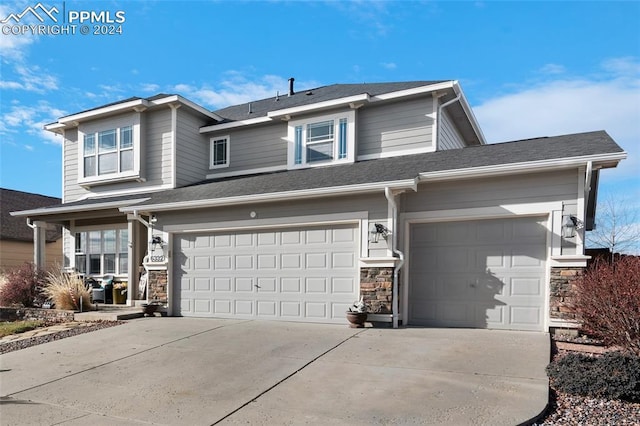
pixel 102 251
pixel 109 150
pixel 219 152
pixel 113 152
pixel 322 140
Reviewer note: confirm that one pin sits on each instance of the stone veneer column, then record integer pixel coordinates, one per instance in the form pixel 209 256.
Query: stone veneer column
pixel 157 285
pixel 376 288
pixel 562 291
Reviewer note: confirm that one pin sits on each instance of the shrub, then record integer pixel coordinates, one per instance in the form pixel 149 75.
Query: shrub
pixel 23 286
pixel 613 375
pixel 66 290
pixel 607 302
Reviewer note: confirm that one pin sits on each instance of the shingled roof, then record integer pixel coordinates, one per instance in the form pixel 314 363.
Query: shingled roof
pixel 16 228
pixel 260 108
pixel 395 168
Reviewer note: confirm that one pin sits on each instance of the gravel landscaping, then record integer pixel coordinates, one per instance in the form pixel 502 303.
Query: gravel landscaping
pixel 45 338
pixel 573 410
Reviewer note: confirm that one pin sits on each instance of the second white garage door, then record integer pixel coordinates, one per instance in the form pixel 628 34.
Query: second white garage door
pixel 481 274
pixel 300 274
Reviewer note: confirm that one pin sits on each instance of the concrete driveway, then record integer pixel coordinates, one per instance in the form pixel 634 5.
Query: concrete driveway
pixel 212 371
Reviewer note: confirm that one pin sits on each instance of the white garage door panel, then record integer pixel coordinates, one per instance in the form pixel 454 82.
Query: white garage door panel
pixel 306 274
pixel 484 273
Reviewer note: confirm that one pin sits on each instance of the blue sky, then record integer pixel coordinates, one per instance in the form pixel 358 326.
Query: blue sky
pixel 528 69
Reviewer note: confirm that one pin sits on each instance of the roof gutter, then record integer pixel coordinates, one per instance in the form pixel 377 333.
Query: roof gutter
pixel 274 196
pixel 523 167
pixel 76 208
pixel 439 116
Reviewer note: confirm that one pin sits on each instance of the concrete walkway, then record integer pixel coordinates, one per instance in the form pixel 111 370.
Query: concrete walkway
pixel 201 372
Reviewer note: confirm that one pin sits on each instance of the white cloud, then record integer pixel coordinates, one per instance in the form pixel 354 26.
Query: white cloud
pixel 389 65
pixel 29 120
pixel 149 87
pixel 13 46
pixel 238 89
pixel 30 79
pixel 608 101
pixel 552 69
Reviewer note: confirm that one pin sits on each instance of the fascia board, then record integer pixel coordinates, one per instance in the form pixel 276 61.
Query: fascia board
pixel 470 115
pixel 184 101
pixel 364 97
pixel 234 124
pixel 521 167
pixel 102 111
pixel 275 196
pixel 415 91
pixel 76 209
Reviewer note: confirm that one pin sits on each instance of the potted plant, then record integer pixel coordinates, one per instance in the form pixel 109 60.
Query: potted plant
pixel 357 314
pixel 120 292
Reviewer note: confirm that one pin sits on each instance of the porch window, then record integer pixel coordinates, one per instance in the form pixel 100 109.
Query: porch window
pixel 101 252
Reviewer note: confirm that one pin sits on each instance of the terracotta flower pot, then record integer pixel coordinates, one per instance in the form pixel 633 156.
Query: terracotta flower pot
pixel 356 319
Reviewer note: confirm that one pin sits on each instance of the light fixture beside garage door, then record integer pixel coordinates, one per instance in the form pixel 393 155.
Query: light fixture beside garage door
pixel 570 224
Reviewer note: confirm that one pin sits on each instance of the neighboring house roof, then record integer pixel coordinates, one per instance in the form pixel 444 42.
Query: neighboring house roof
pixel 260 108
pixel 16 228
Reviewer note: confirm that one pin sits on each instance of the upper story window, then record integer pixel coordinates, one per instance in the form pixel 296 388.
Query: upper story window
pixel 219 152
pixel 109 150
pixel 322 140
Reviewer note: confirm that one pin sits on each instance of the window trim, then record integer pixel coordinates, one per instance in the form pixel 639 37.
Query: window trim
pixel 297 140
pixel 96 129
pixel 87 252
pixel 212 142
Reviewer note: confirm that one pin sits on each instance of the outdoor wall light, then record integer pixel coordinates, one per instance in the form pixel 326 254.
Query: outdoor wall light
pixel 570 224
pixel 377 231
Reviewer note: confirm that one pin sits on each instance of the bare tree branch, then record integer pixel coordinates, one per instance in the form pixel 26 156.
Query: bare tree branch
pixel 617 226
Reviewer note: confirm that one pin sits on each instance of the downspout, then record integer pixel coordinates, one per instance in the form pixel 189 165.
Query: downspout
pixel 440 108
pixel 394 243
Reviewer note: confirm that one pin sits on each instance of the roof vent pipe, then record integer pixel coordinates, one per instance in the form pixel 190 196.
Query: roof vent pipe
pixel 291 80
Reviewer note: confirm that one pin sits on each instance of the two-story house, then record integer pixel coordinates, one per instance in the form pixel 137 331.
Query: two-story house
pixel 293 207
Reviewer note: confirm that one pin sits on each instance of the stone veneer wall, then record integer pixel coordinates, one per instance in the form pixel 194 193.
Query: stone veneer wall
pixel 13 314
pixel 561 297
pixel 376 288
pixel 157 285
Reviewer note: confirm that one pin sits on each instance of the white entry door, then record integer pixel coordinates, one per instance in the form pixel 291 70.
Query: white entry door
pixel 302 274
pixel 480 274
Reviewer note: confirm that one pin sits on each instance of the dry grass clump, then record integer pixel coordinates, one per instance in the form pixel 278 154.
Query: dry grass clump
pixel 66 290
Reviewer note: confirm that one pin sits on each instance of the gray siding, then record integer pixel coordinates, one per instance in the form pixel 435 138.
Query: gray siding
pixel 395 127
pixel 254 148
pixel 375 204
pixel 192 161
pixel 72 191
pixel 155 156
pixel 494 191
pixel 157 142
pixel 448 135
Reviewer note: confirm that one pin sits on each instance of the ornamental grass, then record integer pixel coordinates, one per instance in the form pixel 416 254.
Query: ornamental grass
pixel 66 290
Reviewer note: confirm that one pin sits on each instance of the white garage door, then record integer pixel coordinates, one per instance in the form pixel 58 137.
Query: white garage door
pixel 301 274
pixel 481 274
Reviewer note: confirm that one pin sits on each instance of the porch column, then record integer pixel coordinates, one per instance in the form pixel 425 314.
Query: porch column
pixel 132 292
pixel 39 244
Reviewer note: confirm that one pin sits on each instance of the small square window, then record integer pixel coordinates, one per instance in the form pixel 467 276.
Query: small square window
pixel 219 152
